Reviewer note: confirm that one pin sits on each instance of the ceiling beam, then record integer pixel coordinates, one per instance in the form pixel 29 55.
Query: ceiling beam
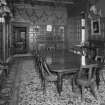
pixel 57 1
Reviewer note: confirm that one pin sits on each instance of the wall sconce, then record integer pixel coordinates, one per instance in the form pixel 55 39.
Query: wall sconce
pixel 49 28
pixel 3 2
pixel 2 20
pixel 4 10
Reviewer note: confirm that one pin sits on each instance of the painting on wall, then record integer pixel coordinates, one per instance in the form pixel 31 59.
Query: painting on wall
pixel 95 27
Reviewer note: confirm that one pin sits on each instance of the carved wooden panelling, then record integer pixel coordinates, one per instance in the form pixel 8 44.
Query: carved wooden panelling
pixel 74 32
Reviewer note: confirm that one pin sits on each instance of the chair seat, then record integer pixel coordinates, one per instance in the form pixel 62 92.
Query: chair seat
pixel 85 83
pixel 51 77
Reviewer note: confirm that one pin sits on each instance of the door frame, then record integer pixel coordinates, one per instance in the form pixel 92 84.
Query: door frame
pixel 21 24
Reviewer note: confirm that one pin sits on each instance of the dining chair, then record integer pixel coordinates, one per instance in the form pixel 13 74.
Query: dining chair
pixel 86 78
pixel 101 62
pixel 46 74
pixel 4 67
pixel 3 73
pixel 99 59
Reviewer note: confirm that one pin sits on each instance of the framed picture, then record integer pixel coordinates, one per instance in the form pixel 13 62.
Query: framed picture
pixel 95 27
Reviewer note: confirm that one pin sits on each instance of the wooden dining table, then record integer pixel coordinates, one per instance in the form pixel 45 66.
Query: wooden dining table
pixel 61 73
pixel 65 62
pixel 69 64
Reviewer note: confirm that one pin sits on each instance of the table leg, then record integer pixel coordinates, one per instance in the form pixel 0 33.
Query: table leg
pixel 59 83
pixel 97 78
pixel 6 72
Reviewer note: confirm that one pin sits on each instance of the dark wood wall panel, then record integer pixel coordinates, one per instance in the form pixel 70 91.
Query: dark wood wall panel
pixel 73 32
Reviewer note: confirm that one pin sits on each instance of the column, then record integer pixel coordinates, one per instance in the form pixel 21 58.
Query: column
pixel 4 35
pixel 83 59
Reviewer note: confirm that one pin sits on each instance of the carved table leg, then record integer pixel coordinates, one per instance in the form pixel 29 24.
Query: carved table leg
pixel 97 78
pixel 59 83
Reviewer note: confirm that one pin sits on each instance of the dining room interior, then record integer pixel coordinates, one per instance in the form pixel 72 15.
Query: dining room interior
pixel 52 52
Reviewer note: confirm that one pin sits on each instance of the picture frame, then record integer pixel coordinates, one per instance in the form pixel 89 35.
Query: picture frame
pixel 95 27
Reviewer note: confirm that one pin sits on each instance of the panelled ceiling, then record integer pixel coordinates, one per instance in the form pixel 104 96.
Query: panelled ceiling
pixel 52 2
pixel 48 2
pixel 73 6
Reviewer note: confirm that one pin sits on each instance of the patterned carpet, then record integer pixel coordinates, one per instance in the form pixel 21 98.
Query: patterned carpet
pixel 24 88
pixel 8 85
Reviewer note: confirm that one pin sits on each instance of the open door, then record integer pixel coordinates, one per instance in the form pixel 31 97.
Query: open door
pixel 19 40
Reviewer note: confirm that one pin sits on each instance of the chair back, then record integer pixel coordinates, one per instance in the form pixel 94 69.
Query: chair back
pixel 88 71
pixel 46 67
pixel 46 72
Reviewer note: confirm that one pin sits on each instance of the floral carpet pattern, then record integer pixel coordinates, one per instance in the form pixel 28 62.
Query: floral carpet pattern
pixel 28 90
pixel 8 85
pixel 31 93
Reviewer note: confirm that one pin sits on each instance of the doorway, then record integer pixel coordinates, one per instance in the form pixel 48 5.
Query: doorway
pixel 19 40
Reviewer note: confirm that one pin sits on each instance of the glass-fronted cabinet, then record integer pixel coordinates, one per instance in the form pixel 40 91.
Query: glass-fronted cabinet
pixel 46 36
